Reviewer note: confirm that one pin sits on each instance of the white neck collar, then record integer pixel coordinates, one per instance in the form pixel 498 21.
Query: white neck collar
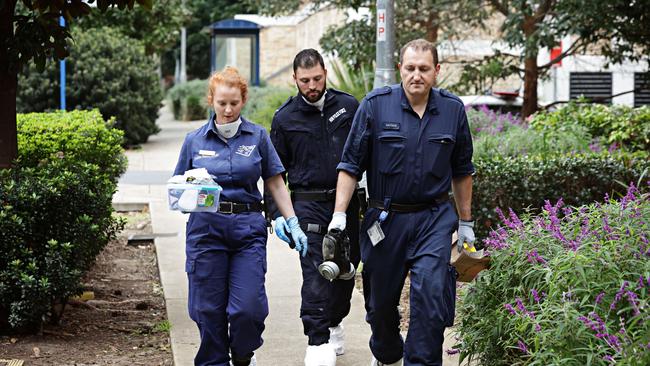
pixel 319 103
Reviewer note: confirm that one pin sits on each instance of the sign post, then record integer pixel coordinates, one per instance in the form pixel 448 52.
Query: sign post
pixel 385 65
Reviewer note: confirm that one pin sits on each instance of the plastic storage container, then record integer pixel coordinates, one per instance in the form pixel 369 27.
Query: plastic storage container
pixel 188 197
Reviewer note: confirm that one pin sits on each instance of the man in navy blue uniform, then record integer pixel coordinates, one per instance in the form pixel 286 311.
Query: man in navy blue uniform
pixel 309 132
pixel 414 143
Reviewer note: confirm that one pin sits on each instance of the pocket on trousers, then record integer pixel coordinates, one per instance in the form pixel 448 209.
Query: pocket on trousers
pixel 450 295
pixel 391 153
pixel 190 266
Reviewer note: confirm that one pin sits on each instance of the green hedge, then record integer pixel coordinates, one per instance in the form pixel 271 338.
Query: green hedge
pixel 105 70
pixel 55 212
pixel 78 135
pixel 518 141
pixel 526 181
pixel 620 125
pixel 263 102
pixel 188 102
pixel 567 287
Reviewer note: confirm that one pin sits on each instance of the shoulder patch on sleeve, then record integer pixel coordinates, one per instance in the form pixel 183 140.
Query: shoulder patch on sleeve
pixel 286 103
pixel 446 93
pixel 379 91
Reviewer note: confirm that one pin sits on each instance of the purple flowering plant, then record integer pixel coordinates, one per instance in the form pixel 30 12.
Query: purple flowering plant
pixel 568 286
pixel 505 134
pixel 483 120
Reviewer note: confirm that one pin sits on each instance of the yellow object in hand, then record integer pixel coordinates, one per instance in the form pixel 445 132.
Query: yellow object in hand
pixel 469 248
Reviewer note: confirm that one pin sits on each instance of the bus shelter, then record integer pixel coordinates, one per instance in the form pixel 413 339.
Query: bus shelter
pixel 235 42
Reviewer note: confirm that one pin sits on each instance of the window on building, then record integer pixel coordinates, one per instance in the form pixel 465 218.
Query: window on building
pixel 596 86
pixel 641 89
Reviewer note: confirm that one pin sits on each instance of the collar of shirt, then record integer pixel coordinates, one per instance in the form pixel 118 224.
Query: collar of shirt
pixel 319 103
pixel 432 106
pixel 304 105
pixel 246 126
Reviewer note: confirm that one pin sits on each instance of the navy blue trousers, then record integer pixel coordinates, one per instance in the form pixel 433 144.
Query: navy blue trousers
pixel 324 303
pixel 418 242
pixel 226 266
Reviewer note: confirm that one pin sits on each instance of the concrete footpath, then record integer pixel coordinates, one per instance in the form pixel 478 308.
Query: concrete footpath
pixel 284 341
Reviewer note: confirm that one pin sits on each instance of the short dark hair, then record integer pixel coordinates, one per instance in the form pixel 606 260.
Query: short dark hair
pixel 419 44
pixel 307 59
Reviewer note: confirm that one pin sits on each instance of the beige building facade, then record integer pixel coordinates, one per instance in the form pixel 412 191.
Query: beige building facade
pixel 282 37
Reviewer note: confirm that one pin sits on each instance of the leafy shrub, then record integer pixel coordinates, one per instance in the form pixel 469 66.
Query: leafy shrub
pixel 520 182
pixel 78 135
pixel 621 125
pixel 55 211
pixel 518 140
pixel 188 100
pixel 567 287
pixel 107 71
pixel 484 121
pixel 194 108
pixel 356 82
pixel 504 134
pixel 54 220
pixel 263 102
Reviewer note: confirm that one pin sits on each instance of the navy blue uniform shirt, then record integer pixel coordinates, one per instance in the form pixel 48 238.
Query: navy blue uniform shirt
pixel 408 159
pixel 237 164
pixel 310 142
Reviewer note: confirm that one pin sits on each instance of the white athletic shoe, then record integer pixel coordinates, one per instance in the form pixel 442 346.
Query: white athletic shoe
pixel 337 339
pixel 322 355
pixel 377 363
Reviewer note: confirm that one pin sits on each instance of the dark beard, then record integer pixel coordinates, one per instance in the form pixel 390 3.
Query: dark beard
pixel 320 95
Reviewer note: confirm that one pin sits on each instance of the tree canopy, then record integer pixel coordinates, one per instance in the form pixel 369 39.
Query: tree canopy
pixel 158 28
pixel 617 29
pixel 32 33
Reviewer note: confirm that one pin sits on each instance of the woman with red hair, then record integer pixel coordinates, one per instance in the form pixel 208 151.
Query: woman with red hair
pixel 226 250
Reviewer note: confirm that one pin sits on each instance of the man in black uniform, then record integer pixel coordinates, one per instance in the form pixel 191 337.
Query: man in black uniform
pixel 309 132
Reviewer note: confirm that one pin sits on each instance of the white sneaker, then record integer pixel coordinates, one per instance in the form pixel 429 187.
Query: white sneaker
pixel 252 363
pixel 337 339
pixel 322 355
pixel 377 363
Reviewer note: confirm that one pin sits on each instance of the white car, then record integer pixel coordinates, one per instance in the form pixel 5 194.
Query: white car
pixel 500 102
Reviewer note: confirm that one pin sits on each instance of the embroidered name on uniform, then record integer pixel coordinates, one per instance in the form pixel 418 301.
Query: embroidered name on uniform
pixel 337 114
pixel 391 126
pixel 244 150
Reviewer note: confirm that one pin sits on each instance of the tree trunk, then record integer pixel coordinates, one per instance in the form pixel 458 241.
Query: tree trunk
pixel 8 84
pixel 530 86
pixel 432 27
pixel 531 72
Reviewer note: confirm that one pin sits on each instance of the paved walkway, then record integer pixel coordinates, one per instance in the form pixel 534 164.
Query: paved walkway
pixel 284 342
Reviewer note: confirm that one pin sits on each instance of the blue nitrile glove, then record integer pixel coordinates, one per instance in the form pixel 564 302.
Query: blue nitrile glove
pixel 465 234
pixel 281 229
pixel 297 235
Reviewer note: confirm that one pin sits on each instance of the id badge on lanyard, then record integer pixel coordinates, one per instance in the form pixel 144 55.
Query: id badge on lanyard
pixel 375 233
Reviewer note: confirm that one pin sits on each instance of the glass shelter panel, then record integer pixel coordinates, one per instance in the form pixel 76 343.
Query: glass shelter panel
pixel 235 51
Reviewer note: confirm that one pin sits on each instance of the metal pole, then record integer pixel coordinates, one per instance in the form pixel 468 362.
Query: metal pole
pixel 62 74
pixel 183 74
pixel 385 65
